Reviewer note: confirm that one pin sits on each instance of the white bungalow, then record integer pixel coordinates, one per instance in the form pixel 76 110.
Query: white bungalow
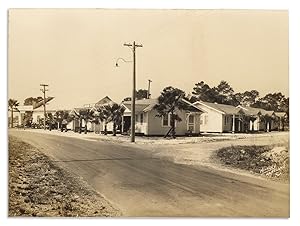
pixel 147 122
pixel 219 118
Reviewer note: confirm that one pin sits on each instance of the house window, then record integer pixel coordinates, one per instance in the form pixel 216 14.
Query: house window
pixel 191 123
pixel 165 120
pixel 191 119
pixel 142 118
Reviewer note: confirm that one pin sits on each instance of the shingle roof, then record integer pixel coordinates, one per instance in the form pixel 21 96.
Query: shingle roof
pixel 104 101
pixel 38 104
pixel 280 114
pixel 141 105
pixel 145 105
pixel 256 111
pixel 225 108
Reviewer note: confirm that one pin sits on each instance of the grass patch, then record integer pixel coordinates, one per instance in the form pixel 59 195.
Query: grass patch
pixel 269 161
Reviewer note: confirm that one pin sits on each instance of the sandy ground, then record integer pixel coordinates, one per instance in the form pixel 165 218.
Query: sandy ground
pixel 37 187
pixel 140 183
pixel 196 151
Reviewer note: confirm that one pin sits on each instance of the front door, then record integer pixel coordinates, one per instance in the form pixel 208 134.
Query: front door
pixel 191 123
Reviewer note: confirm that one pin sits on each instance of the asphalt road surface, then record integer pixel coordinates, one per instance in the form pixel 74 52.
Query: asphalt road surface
pixel 141 185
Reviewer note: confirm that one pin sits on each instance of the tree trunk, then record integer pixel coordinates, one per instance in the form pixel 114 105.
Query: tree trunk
pixel 173 133
pixel 80 125
pixel 114 129
pixel 12 118
pixel 105 129
pixel 85 127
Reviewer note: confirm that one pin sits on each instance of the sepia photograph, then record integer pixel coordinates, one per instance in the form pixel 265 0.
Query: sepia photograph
pixel 148 113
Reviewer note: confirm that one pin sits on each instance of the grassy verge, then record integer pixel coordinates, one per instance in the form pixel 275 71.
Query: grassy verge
pixel 268 161
pixel 37 187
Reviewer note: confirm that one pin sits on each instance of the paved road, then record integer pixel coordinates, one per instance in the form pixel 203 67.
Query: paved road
pixel 141 185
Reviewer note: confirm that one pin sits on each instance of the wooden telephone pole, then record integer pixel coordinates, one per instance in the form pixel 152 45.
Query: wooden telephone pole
pixel 133 46
pixel 44 92
pixel 148 93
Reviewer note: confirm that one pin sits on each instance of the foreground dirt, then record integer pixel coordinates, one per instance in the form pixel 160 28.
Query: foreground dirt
pixel 144 185
pixel 37 187
pixel 268 161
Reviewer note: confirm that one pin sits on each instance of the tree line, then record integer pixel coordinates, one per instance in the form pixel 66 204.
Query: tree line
pixel 169 99
pixel 223 93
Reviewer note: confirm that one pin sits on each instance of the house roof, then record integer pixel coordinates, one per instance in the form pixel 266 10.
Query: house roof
pixel 145 105
pixel 255 111
pixel 104 101
pixel 280 114
pixel 41 103
pixel 222 108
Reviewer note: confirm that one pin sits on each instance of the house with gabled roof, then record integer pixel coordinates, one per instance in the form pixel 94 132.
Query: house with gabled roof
pixel 261 119
pixel 91 126
pixel 282 120
pixel 219 118
pixel 227 118
pixel 38 109
pixel 147 122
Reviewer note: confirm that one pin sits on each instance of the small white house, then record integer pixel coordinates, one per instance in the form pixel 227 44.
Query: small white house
pixel 148 123
pixel 219 118
pixel 92 126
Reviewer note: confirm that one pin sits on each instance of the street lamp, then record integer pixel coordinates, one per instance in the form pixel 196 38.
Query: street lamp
pixel 125 61
pixel 133 47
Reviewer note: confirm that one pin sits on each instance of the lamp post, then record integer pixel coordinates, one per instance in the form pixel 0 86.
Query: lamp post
pixel 133 47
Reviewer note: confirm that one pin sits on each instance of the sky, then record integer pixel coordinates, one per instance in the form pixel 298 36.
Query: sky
pixel 75 51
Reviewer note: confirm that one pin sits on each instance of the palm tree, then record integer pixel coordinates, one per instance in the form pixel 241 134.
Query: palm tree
pixel 168 101
pixel 62 117
pixel 87 115
pixel 99 116
pixel 12 104
pixel 113 113
pixel 50 120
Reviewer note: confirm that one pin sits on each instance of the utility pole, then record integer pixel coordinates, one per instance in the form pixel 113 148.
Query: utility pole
pixel 133 47
pixel 148 94
pixel 44 92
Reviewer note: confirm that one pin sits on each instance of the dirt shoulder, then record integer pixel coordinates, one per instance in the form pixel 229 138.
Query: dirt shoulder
pixel 269 161
pixel 38 187
pixel 205 154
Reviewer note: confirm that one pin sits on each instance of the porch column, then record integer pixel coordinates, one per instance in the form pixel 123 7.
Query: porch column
pixel 280 124
pixel 239 124
pixel 19 118
pixel 268 126
pixel 233 123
